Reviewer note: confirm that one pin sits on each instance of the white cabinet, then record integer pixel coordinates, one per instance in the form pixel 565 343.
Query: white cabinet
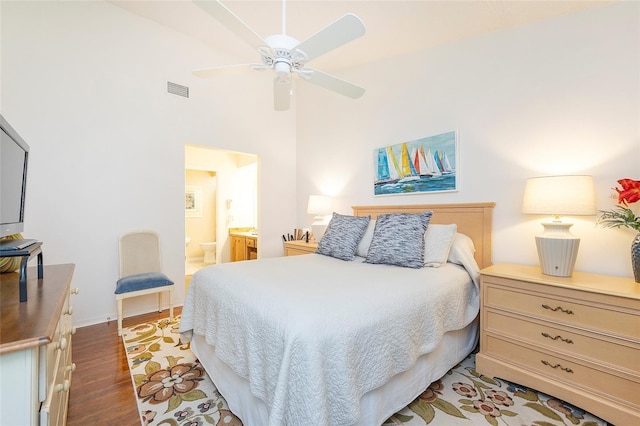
pixel 35 348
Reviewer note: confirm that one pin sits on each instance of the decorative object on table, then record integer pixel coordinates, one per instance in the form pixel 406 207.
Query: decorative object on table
pixel 10 264
pixel 156 350
pixel 558 195
pixel 321 206
pixel 622 216
pixel 423 165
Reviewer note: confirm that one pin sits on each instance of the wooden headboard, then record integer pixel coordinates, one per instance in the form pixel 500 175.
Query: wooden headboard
pixel 473 219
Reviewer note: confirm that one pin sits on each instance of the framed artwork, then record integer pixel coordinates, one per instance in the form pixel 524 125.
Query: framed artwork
pixel 423 165
pixel 193 201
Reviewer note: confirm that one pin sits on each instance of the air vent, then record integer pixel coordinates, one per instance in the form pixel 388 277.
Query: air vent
pixel 177 89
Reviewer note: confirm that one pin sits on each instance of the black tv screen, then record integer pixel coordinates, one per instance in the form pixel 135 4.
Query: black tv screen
pixel 14 157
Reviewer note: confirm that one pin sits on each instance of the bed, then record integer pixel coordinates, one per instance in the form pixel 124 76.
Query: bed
pixel 317 340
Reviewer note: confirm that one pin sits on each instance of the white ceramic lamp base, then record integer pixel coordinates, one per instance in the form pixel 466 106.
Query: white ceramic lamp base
pixel 318 227
pixel 557 249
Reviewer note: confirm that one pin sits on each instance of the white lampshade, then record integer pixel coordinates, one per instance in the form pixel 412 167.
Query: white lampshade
pixel 320 206
pixel 558 195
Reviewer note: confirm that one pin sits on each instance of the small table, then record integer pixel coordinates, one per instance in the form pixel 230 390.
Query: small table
pixel 26 253
pixel 297 247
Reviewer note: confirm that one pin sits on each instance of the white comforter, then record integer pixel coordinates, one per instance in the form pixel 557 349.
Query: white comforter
pixel 312 334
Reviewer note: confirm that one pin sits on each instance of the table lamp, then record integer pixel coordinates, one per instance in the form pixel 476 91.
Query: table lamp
pixel 558 195
pixel 320 206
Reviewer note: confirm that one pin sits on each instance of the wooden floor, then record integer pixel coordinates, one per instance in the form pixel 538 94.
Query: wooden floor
pixel 101 390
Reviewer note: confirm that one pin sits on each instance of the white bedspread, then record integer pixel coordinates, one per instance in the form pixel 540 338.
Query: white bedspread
pixel 312 334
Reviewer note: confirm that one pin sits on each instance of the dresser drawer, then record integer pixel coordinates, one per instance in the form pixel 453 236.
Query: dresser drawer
pixel 614 352
pixel 565 310
pixel 623 387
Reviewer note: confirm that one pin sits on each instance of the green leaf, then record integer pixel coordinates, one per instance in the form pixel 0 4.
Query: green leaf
pixel 403 417
pixel 508 413
pixel 144 356
pixel 470 408
pixel 491 420
pixel 543 423
pixel 209 419
pixel 138 379
pixel 154 347
pixel 169 421
pixel 151 367
pixel 529 395
pixel 193 395
pixel 544 410
pixel 448 408
pixel 173 360
pixel 174 403
pixel 424 410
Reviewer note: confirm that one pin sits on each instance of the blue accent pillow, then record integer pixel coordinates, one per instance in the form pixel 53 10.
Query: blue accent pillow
pixel 398 239
pixel 142 282
pixel 342 236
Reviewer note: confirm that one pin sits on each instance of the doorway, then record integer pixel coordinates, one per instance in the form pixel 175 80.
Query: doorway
pixel 221 194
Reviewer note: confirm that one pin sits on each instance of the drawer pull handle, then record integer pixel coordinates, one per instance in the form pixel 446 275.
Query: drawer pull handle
pixel 547 363
pixel 557 337
pixel 63 387
pixel 558 308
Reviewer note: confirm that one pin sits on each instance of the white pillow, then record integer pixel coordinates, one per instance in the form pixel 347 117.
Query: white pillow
pixel 365 242
pixel 462 249
pixel 437 243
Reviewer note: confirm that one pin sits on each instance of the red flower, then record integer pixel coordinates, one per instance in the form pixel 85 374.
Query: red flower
pixel 630 192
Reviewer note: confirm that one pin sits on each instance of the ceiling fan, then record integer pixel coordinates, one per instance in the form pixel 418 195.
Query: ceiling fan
pixel 285 55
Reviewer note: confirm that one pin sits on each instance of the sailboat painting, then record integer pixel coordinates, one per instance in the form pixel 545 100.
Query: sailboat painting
pixel 422 165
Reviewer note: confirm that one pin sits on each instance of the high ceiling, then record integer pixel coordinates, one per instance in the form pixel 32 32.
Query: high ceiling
pixel 394 27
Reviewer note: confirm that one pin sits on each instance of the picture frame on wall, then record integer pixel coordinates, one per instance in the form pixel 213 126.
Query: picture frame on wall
pixel 424 165
pixel 193 201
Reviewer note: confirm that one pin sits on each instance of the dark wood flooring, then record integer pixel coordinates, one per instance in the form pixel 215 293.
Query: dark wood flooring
pixel 101 388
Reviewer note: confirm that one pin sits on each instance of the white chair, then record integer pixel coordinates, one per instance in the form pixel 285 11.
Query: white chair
pixel 141 271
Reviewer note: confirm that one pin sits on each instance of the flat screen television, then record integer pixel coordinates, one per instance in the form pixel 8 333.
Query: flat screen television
pixel 14 157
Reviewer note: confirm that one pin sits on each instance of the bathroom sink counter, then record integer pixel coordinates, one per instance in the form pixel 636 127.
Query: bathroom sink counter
pixel 244 244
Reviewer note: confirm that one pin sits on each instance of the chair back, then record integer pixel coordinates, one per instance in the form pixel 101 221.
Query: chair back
pixel 139 253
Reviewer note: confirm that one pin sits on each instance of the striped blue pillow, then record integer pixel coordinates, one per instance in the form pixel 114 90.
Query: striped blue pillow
pixel 398 239
pixel 342 236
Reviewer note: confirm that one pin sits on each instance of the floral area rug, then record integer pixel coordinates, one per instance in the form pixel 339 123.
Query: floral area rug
pixel 173 389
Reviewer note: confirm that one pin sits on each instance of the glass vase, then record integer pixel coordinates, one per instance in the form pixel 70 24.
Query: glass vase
pixel 635 257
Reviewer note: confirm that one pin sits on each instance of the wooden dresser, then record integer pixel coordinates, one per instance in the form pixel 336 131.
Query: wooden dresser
pixel 575 338
pixel 35 348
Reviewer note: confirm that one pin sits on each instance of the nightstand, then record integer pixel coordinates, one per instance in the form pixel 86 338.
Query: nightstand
pixel 296 247
pixel 576 338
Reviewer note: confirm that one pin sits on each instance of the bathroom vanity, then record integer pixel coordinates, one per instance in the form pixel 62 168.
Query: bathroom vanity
pixel 244 244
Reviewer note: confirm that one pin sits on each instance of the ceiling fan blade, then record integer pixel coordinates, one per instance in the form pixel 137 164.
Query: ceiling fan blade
pixel 333 83
pixel 230 20
pixel 281 94
pixel 223 70
pixel 340 32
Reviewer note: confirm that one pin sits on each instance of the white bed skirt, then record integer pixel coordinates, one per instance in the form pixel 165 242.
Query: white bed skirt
pixel 376 406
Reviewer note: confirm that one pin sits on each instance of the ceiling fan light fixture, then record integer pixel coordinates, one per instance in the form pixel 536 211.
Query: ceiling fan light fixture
pixel 283 71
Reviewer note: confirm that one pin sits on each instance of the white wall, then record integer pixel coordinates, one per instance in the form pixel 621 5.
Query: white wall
pixel 557 97
pixel 84 83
